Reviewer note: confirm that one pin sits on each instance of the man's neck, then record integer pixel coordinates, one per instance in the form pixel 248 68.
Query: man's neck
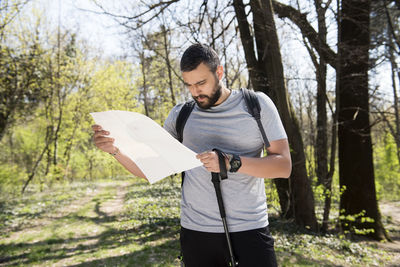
pixel 225 92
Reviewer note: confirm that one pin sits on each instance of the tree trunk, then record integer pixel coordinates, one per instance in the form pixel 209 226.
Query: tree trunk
pixel 307 30
pixel 356 169
pixel 269 57
pixel 70 141
pixel 3 124
pixel 57 134
pixel 168 63
pixel 329 175
pixel 395 130
pixel 257 74
pixel 301 192
pixel 321 150
pixel 145 98
pixel 258 80
pixel 33 171
pixel 311 143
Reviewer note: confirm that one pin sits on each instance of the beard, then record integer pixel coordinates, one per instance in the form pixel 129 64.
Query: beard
pixel 211 99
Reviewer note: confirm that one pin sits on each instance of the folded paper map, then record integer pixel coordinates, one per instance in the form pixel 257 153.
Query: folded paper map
pixel 146 143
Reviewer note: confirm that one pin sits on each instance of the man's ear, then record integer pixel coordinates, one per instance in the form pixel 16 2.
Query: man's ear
pixel 220 72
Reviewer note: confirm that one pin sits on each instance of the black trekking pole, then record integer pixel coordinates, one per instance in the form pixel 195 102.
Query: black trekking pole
pixel 216 180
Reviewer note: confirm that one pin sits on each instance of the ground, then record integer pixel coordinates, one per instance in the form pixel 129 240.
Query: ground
pixel 391 214
pixel 130 223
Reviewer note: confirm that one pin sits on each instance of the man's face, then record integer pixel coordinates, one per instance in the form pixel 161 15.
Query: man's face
pixel 203 85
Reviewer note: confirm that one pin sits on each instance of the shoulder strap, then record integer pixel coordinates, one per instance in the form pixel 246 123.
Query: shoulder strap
pixel 182 118
pixel 253 106
pixel 183 115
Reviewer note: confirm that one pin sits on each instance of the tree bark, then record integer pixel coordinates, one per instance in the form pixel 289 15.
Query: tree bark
pixel 395 131
pixel 329 175
pixel 168 63
pixel 258 80
pixel 285 11
pixel 356 169
pixel 143 69
pixel 257 74
pixel 269 63
pixel 33 171
pixel 321 150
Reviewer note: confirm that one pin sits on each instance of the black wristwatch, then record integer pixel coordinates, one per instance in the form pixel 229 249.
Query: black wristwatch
pixel 235 162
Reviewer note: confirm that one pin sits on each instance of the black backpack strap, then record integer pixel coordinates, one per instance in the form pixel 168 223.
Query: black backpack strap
pixel 182 118
pixel 253 106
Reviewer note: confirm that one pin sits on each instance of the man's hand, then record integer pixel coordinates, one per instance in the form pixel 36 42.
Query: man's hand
pixel 101 141
pixel 210 161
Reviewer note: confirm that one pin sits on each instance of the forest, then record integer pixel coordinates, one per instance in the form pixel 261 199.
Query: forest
pixel 329 66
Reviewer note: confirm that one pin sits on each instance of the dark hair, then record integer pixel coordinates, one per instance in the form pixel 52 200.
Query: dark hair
pixel 197 54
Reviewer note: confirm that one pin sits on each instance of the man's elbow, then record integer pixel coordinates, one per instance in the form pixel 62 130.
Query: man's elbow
pixel 287 168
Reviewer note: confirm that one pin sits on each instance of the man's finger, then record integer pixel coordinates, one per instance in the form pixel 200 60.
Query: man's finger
pixel 204 155
pixel 206 159
pixel 96 127
pixel 100 133
pixel 100 140
pixel 204 162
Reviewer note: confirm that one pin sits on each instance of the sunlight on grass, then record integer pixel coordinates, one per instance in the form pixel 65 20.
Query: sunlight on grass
pixel 132 223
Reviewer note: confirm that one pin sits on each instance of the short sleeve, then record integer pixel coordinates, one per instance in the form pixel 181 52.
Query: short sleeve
pixel 170 121
pixel 270 118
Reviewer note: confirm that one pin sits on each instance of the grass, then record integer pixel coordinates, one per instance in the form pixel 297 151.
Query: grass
pixel 131 223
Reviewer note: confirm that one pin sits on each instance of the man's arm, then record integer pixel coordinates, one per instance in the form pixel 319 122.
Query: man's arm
pixel 277 164
pixel 129 164
pixel 106 144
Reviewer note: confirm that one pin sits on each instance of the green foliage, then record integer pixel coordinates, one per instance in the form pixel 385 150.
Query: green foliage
pixel 57 85
pixel 159 91
pixel 272 197
pixel 10 174
pixel 20 76
pixel 352 223
pixel 319 190
pixel 131 223
pixel 387 169
pixel 110 222
pixel 53 142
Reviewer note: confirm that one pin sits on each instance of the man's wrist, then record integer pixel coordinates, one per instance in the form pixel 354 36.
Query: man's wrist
pixel 233 162
pixel 115 152
pixel 227 161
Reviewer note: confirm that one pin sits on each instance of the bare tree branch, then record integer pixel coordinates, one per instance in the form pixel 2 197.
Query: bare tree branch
pixel 391 28
pixel 300 19
pixel 17 7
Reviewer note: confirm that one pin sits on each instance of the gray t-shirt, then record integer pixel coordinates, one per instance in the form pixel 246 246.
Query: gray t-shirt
pixel 230 128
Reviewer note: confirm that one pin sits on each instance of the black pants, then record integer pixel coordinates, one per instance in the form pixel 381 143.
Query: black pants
pixel 251 248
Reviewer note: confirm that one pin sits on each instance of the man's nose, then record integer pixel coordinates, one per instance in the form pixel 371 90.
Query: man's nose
pixel 195 90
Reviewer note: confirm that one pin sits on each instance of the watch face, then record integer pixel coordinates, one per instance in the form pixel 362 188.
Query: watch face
pixel 235 163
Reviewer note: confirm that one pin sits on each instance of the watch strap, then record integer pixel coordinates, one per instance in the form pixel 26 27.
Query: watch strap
pixel 235 163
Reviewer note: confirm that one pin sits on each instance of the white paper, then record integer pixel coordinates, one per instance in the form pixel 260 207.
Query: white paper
pixel 146 143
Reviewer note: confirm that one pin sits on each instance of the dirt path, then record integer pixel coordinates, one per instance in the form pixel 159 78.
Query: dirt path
pixel 36 225
pixel 63 235
pixel 105 211
pixel 392 211
pixel 115 205
pixel 94 230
